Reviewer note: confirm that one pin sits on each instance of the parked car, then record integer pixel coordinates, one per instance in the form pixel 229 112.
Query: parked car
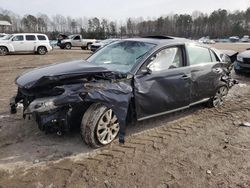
pixel 234 39
pixel 242 64
pixel 132 79
pixel 75 41
pixel 206 40
pixel 2 35
pixel 102 43
pixel 245 38
pixel 25 42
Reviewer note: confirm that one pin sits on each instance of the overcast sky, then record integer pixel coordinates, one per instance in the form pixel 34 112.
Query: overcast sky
pixel 119 9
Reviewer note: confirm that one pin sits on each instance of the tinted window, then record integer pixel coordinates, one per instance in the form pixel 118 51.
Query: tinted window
pixel 41 37
pixel 30 37
pixel 166 59
pixel 77 38
pixel 198 55
pixel 18 38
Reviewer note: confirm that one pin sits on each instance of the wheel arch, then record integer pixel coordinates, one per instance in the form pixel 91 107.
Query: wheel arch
pixel 5 47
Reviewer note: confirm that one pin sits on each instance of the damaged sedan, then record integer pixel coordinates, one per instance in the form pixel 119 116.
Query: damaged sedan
pixel 126 81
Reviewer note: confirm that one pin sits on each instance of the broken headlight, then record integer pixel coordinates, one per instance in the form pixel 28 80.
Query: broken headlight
pixel 41 105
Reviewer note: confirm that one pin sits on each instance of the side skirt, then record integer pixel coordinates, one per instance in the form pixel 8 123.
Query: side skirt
pixel 174 110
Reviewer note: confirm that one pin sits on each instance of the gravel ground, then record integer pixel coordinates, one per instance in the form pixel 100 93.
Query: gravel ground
pixel 198 147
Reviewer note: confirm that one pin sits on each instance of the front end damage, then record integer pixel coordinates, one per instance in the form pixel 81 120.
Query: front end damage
pixel 60 106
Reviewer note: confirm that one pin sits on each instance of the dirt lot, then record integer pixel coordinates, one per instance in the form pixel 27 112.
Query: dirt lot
pixel 199 147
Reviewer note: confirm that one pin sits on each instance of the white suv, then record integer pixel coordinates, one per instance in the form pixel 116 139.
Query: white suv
pixel 25 42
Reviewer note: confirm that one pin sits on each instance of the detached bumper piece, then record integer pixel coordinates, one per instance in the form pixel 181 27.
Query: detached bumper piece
pixel 52 122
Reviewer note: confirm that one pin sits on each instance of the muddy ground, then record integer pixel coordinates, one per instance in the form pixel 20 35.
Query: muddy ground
pixel 198 147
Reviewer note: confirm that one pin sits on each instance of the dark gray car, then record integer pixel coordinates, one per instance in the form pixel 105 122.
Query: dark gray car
pixel 133 79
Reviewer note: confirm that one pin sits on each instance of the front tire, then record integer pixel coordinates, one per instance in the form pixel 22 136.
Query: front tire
pixel 3 51
pixel 68 46
pixel 99 126
pixel 219 97
pixel 237 71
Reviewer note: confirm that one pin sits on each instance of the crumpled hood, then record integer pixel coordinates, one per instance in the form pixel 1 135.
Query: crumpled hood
pixel 56 72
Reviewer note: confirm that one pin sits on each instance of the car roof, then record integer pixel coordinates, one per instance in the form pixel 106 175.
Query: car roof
pixel 161 40
pixel 29 34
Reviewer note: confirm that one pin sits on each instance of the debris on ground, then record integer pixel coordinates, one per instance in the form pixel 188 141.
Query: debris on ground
pixel 209 172
pixel 245 124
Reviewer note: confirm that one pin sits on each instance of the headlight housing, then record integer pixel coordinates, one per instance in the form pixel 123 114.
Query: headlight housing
pixel 41 105
pixel 239 58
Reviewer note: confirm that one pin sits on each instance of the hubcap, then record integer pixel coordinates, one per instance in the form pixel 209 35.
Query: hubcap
pixel 42 51
pixel 220 96
pixel 107 127
pixel 67 46
pixel 2 51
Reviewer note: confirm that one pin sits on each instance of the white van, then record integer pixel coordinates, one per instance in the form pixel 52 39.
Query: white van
pixel 25 42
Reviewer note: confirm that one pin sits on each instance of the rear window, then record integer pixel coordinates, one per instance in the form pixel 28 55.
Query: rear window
pixel 30 37
pixel 41 37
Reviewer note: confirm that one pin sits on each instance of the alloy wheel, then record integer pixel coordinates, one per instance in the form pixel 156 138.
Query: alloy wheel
pixel 3 51
pixel 107 127
pixel 220 96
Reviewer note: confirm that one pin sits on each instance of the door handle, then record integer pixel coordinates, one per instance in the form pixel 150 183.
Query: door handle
pixel 185 77
pixel 217 70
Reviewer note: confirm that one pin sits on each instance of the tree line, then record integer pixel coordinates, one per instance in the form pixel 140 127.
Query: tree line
pixel 219 24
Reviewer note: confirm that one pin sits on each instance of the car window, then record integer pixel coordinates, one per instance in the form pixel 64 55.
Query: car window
pixel 213 56
pixel 168 58
pixel 77 38
pixel 18 38
pixel 30 37
pixel 41 37
pixel 121 56
pixel 198 55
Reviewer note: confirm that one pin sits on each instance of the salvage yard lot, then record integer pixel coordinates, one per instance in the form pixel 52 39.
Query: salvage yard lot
pixel 198 147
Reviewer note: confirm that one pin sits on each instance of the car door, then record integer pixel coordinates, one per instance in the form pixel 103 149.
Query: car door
pixel 18 43
pixel 77 41
pixel 165 87
pixel 30 42
pixel 206 70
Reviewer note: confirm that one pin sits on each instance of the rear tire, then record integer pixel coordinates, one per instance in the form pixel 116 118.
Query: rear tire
pixel 99 126
pixel 68 46
pixel 3 51
pixel 41 50
pixel 89 46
